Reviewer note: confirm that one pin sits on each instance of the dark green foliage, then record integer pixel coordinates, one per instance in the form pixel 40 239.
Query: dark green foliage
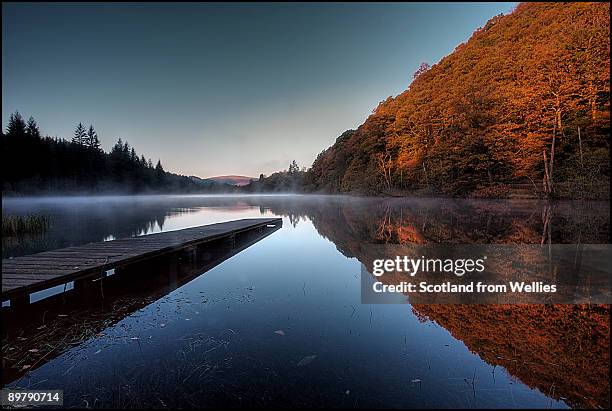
pixel 288 181
pixel 80 136
pixel 32 128
pixel 32 164
pixel 16 125
pixel 91 140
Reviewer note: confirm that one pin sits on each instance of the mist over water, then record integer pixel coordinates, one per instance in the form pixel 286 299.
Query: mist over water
pixel 279 320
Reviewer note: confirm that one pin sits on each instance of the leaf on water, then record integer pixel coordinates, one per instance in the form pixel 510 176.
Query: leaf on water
pixel 306 360
pixel 33 350
pixel 135 338
pixel 416 380
pixel 162 325
pixel 62 315
pixel 279 332
pixel 25 367
pixel 98 352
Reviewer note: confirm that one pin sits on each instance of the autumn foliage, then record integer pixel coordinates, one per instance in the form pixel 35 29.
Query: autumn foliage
pixel 488 114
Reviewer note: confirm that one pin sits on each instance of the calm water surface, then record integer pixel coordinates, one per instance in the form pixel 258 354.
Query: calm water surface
pixel 277 320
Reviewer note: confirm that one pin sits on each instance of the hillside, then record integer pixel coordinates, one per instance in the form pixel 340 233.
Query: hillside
pixel 231 180
pixel 524 103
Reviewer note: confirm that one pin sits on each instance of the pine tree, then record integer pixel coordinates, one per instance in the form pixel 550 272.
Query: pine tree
pixel 16 126
pixel 92 140
pixel 158 167
pixel 79 135
pixel 159 173
pixel 293 167
pixel 117 148
pixel 32 128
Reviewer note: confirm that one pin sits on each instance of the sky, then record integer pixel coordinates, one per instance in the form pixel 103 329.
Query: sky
pixel 220 89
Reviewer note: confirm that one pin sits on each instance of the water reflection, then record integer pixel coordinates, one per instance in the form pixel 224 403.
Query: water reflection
pixel 81 220
pixel 69 318
pixel 452 221
pixel 529 355
pixel 561 350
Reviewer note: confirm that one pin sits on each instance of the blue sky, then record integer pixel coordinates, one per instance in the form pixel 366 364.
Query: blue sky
pixel 216 89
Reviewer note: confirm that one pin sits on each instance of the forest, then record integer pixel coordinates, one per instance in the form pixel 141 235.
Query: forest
pixel 524 105
pixel 33 164
pixel 286 181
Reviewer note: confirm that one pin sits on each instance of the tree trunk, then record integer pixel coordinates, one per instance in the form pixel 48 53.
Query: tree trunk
pixel 552 159
pixel 580 147
pixel 546 183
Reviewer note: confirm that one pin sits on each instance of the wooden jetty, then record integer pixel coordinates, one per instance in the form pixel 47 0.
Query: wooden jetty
pixel 24 275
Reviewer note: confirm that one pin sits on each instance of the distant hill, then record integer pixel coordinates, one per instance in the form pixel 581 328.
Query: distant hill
pixel 232 180
pixel 526 87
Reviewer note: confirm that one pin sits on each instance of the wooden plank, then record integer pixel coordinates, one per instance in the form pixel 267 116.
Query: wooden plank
pixel 29 273
pixel 68 260
pixel 22 275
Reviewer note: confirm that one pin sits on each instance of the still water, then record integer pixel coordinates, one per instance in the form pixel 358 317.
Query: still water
pixel 277 320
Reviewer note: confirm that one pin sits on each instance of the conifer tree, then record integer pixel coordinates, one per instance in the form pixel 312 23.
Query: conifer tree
pixel 16 126
pixel 80 135
pixel 32 128
pixel 92 139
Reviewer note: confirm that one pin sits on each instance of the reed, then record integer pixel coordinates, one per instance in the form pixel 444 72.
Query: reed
pixel 31 224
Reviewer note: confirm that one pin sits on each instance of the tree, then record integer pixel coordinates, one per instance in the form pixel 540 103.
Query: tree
pixel 80 135
pixel 32 128
pixel 422 69
pixel 384 164
pixel 16 126
pixel 159 173
pixel 118 147
pixel 158 167
pixel 293 167
pixel 92 140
